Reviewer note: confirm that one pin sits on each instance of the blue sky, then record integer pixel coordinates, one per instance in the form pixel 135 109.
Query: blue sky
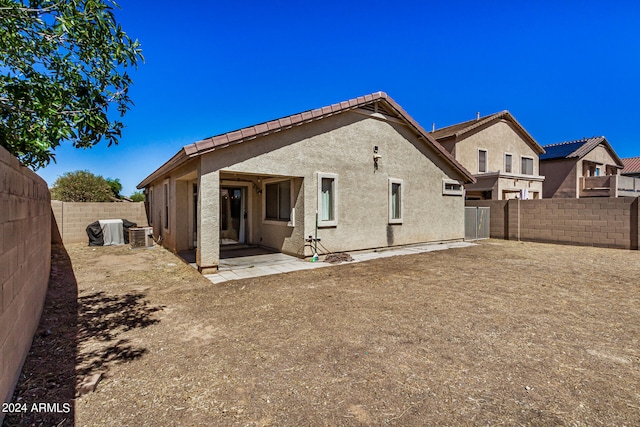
pixel 564 69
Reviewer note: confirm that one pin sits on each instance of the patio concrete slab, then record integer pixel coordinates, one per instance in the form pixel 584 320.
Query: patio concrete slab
pixel 277 263
pixel 253 260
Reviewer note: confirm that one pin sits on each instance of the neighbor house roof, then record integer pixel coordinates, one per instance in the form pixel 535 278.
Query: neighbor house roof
pixel 578 149
pixel 390 107
pixel 461 129
pixel 631 165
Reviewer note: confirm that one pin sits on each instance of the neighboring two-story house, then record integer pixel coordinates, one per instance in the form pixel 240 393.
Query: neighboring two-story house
pixel 588 167
pixel 500 153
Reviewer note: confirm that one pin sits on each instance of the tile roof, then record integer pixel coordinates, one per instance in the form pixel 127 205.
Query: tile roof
pixel 389 106
pixel 460 129
pixel 631 165
pixel 578 149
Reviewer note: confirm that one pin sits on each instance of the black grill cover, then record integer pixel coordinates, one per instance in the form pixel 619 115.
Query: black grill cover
pixel 95 234
pixel 94 231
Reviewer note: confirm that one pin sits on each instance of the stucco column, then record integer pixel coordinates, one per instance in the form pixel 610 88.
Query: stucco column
pixel 208 253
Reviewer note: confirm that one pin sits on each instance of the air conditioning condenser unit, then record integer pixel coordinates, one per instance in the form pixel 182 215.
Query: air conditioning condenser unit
pixel 141 237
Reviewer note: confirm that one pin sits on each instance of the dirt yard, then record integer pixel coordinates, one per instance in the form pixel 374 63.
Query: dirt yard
pixel 499 333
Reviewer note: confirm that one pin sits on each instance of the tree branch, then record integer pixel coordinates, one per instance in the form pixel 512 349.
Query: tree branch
pixel 40 11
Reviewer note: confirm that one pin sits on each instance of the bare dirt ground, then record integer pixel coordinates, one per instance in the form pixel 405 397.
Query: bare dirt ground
pixel 500 333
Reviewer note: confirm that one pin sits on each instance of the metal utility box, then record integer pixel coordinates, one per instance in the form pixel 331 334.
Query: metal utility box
pixel 141 237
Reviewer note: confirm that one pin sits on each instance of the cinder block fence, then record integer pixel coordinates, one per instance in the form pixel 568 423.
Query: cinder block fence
pixel 25 262
pixel 605 222
pixel 72 219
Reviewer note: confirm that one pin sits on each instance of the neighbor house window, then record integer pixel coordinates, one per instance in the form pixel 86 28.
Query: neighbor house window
pixel 508 163
pixel 452 188
pixel 166 204
pixel 277 201
pixel 395 201
pixel 327 199
pixel 527 166
pixel 482 161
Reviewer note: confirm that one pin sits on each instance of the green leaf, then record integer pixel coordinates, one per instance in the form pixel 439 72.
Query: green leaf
pixel 62 67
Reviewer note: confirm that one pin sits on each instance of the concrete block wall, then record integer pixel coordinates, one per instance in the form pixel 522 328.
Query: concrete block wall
pixel 72 218
pixel 604 222
pixel 25 263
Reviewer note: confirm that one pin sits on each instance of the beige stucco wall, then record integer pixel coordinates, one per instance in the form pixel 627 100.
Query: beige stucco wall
pixel 180 181
pixel 343 145
pixel 560 178
pixel 509 186
pixel 497 138
pixel 25 262
pixel 600 155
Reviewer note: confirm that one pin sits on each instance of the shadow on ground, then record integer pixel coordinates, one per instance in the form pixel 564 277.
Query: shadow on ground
pixel 49 371
pixel 76 337
pixel 102 319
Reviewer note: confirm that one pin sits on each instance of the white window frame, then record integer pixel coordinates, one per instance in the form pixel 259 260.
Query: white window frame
pixel 150 204
pixel 292 215
pixel 400 182
pixel 334 221
pixel 505 163
pixel 459 191
pixel 532 165
pixel 486 160
pixel 166 207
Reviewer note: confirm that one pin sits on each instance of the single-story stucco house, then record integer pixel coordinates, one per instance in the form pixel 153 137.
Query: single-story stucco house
pixel 359 174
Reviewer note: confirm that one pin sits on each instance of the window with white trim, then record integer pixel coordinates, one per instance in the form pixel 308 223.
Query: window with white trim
pixel 395 201
pixel 452 187
pixel 508 163
pixel 277 201
pixel 327 199
pixel 482 161
pixel 150 205
pixel 166 205
pixel 527 166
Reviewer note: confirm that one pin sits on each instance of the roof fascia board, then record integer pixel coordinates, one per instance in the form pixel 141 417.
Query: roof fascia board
pixel 607 147
pixel 423 134
pixel 177 160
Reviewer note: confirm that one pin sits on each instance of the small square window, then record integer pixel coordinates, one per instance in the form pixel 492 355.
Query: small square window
pixel 527 166
pixel 278 201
